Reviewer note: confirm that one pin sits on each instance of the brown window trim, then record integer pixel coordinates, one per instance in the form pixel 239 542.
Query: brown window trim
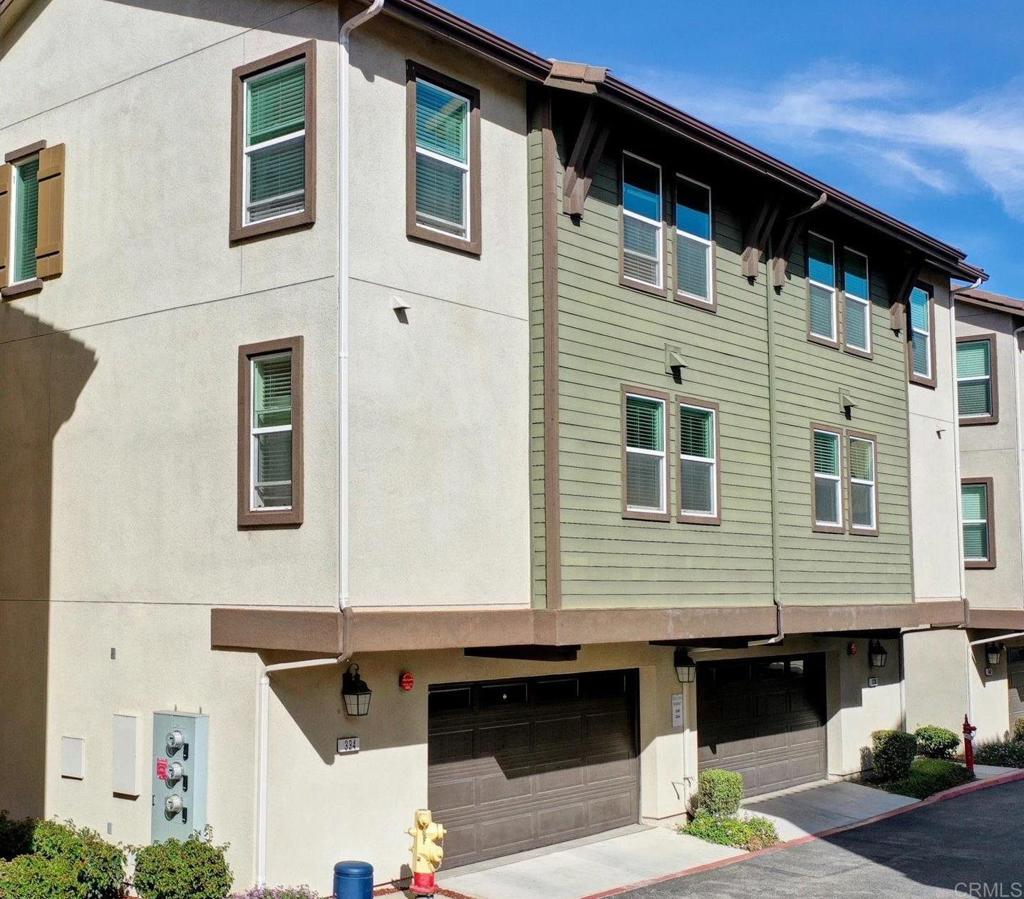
pixel 22 289
pixel 665 291
pixel 414 229
pixel 247 517
pixel 853 529
pixel 239 231
pixel 22 152
pixel 638 515
pixel 811 336
pixel 993 418
pixel 711 304
pixel 709 520
pixel 828 528
pixel 912 376
pixel 841 275
pixel 990 562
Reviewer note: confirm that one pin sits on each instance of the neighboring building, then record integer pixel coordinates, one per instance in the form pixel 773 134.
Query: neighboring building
pixel 561 391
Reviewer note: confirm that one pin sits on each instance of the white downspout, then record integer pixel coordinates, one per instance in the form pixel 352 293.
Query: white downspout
pixel 345 30
pixel 262 753
pixel 1020 437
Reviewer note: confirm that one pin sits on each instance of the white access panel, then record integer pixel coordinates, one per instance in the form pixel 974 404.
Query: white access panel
pixel 126 755
pixel 72 758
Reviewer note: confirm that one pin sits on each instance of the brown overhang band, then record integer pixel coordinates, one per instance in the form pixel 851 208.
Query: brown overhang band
pixel 374 630
pixel 996 619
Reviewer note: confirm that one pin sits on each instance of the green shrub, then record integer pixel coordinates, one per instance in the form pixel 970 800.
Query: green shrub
pixel 751 833
pixel 936 742
pixel 1018 731
pixel 893 752
pixel 928 776
pixel 35 877
pixel 191 869
pixel 15 836
pixel 302 892
pixel 1006 753
pixel 719 792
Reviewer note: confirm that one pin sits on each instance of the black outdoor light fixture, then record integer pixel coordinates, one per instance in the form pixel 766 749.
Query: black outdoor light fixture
pixel 877 656
pixel 686 670
pixel 356 693
pixel 993 653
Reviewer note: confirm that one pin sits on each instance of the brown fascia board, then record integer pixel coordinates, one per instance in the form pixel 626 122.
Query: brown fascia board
pixel 992 301
pixel 461 32
pixel 995 619
pixel 375 630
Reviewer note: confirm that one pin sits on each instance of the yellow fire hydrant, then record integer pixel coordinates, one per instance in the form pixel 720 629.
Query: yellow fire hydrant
pixel 426 853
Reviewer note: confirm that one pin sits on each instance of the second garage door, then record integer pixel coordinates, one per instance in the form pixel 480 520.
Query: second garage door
pixel 764 718
pixel 518 764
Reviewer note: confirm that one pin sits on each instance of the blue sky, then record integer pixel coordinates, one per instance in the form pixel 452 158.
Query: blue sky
pixel 914 107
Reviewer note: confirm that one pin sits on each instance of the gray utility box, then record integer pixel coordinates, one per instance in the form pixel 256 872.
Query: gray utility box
pixel 180 750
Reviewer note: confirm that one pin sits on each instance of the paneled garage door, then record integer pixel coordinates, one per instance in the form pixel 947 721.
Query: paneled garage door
pixel 517 764
pixel 1015 678
pixel 764 718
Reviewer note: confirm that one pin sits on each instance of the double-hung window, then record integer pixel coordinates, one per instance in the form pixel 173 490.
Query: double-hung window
pixel 642 235
pixel 444 172
pixel 976 505
pixel 863 488
pixel 975 383
pixel 644 467
pixel 270 433
pixel 24 234
pixel 694 248
pixel 921 337
pixel 828 481
pixel 857 324
pixel 273 179
pixel 821 278
pixel 698 463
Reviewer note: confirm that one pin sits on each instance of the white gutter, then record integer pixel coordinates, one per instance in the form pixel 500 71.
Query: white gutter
pixel 345 30
pixel 262 753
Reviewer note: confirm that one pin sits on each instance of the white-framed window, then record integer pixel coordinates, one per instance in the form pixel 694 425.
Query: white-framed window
pixel 645 454
pixel 443 123
pixel 642 236
pixel 821 278
pixel 975 501
pixel 698 461
pixel 863 496
pixel 24 219
pixel 274 151
pixel 694 258
pixel 974 385
pixel 271 431
pixel 828 492
pixel 921 333
pixel 856 288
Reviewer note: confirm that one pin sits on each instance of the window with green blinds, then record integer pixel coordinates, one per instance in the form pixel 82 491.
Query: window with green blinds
pixel 698 473
pixel 272 431
pixel 26 219
pixel 828 509
pixel 442 159
pixel 975 500
pixel 645 454
pixel 974 379
pixel 275 142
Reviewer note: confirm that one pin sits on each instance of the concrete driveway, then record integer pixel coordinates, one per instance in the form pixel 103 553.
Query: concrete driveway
pixel 965 846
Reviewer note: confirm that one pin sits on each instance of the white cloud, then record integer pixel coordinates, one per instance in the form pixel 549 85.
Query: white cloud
pixel 874 120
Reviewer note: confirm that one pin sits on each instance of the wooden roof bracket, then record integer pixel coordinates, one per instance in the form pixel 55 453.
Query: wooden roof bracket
pixel 780 262
pixel 756 238
pixel 900 296
pixel 586 153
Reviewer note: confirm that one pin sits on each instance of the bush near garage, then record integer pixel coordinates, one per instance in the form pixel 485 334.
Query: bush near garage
pixel 15 836
pixel 182 869
pixel 936 742
pixel 1018 731
pixel 1005 753
pixel 751 833
pixel 928 776
pixel 892 752
pixel 719 792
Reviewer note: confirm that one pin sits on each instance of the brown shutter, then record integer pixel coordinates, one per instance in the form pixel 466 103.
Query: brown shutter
pixel 50 242
pixel 6 172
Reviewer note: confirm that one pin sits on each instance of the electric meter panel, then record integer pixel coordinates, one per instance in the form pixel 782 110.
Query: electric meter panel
pixel 180 749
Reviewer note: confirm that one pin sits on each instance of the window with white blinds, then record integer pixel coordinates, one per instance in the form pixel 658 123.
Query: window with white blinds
pixel 828 492
pixel 645 454
pixel 698 462
pixel 274 155
pixel 443 125
pixel 271 416
pixel 821 277
pixel 642 235
pixel 858 301
pixel 974 382
pixel 976 503
pixel 921 334
pixel 693 241
pixel 863 498
pixel 24 233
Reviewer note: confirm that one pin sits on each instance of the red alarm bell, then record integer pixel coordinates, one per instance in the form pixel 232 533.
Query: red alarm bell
pixel 405 681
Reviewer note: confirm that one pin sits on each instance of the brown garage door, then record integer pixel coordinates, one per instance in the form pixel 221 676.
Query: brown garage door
pixel 1015 679
pixel 764 718
pixel 517 764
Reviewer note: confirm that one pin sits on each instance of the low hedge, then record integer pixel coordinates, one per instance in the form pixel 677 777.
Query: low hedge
pixel 182 869
pixel 15 836
pixel 1005 753
pixel 928 776
pixel 751 833
pixel 302 892
pixel 719 792
pixel 1018 731
pixel 936 742
pixel 892 752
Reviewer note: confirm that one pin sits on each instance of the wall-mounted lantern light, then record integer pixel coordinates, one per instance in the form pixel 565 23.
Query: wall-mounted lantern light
pixel 993 653
pixel 686 670
pixel 877 655
pixel 355 693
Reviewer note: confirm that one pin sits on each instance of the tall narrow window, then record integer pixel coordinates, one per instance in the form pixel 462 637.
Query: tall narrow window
pixel 698 464
pixel 858 302
pixel 863 488
pixel 641 222
pixel 975 381
pixel 694 249
pixel 443 168
pixel 273 177
pixel 922 338
pixel 828 493
pixel 270 433
pixel 645 472
pixel 976 503
pixel 821 278
pixel 26 219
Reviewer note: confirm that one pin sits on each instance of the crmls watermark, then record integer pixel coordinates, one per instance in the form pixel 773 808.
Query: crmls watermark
pixel 990 890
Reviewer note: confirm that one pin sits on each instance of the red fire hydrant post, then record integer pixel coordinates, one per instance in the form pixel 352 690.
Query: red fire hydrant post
pixel 969 730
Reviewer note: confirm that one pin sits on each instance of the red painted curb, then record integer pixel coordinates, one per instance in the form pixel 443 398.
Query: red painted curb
pixel 951 793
